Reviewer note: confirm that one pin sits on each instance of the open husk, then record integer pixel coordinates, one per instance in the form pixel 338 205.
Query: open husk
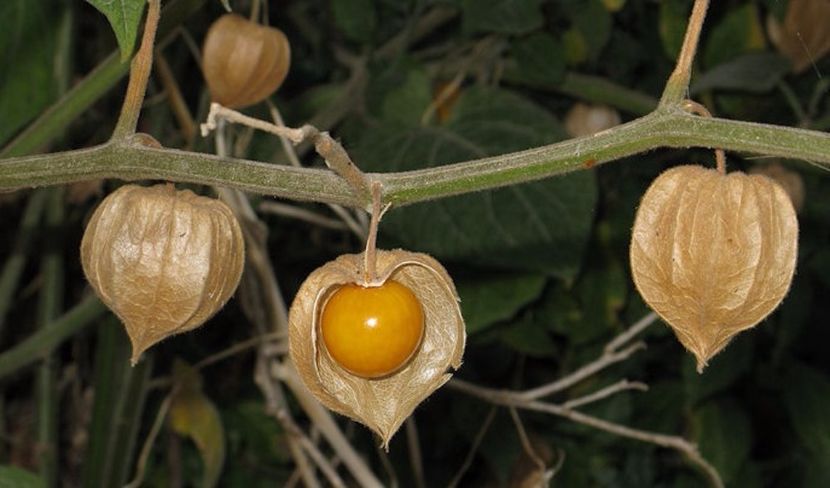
pixel 163 260
pixel 381 404
pixel 713 254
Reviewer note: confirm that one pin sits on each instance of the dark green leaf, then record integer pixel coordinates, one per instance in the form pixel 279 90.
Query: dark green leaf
pixel 724 435
pixel 593 21
pixel 602 293
pixel 14 477
pixel 755 73
pixel 486 300
pixel 407 101
pixel 807 398
pixel 28 48
pixel 739 32
pixel 529 338
pixel 538 227
pixel 357 19
pixel 502 16
pixel 124 17
pixel 540 60
pixel 723 370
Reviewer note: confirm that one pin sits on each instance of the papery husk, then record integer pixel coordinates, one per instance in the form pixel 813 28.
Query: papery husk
pixel 381 404
pixel 713 254
pixel 804 36
pixel 790 181
pixel 244 62
pixel 163 260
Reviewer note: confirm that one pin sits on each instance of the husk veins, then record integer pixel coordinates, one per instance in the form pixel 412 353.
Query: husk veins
pixel 382 404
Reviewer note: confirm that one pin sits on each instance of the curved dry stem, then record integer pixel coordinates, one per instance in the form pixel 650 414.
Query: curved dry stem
pixel 512 399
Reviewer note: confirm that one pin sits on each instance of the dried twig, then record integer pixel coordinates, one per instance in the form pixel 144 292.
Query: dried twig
pixel 611 354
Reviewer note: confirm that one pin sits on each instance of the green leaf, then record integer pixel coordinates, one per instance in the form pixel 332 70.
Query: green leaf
pixel 540 227
pixel 28 49
pixel 502 16
pixel 807 398
pixel 124 17
pixel 408 100
pixel 724 435
pixel 356 19
pixel 593 21
pixel 739 32
pixel 539 60
pixel 529 337
pixel 723 371
pixel 754 73
pixel 14 477
pixel 486 300
pixel 193 415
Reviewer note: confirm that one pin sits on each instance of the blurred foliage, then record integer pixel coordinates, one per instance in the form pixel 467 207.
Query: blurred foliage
pixel 542 268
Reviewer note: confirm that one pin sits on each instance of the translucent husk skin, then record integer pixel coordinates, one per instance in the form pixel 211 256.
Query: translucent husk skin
pixel 164 261
pixel 244 62
pixel 381 404
pixel 713 254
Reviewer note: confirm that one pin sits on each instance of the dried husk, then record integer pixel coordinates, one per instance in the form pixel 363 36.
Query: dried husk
pixel 790 181
pixel 713 254
pixel 163 260
pixel 244 62
pixel 803 37
pixel 381 404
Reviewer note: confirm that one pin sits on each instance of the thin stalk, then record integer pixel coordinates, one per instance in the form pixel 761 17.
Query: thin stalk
pixel 129 409
pixel 678 85
pixel 13 267
pixel 45 340
pixel 50 308
pixel 111 358
pixel 139 74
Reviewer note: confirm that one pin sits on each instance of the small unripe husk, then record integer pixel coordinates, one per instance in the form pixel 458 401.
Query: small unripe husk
pixel 713 254
pixel 585 120
pixel 164 261
pixel 381 404
pixel 244 62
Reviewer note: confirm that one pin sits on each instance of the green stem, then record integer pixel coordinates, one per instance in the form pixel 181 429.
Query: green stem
pixel 54 120
pixel 46 339
pixel 13 267
pixel 662 128
pixel 49 308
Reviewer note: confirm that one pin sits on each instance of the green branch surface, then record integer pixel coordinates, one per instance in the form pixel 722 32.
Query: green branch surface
pixel 665 127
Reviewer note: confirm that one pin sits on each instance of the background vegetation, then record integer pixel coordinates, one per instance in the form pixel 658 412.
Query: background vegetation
pixel 541 267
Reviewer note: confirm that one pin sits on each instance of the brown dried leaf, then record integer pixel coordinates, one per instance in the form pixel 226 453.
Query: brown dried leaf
pixel 381 404
pixel 163 260
pixel 713 254
pixel 804 36
pixel 244 62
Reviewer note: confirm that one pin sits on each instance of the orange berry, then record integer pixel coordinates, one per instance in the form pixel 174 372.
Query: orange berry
pixel 372 331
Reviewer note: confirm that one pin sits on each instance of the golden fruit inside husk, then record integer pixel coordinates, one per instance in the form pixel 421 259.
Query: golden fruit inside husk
pixel 372 331
pixel 713 254
pixel 381 402
pixel 244 62
pixel 163 260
